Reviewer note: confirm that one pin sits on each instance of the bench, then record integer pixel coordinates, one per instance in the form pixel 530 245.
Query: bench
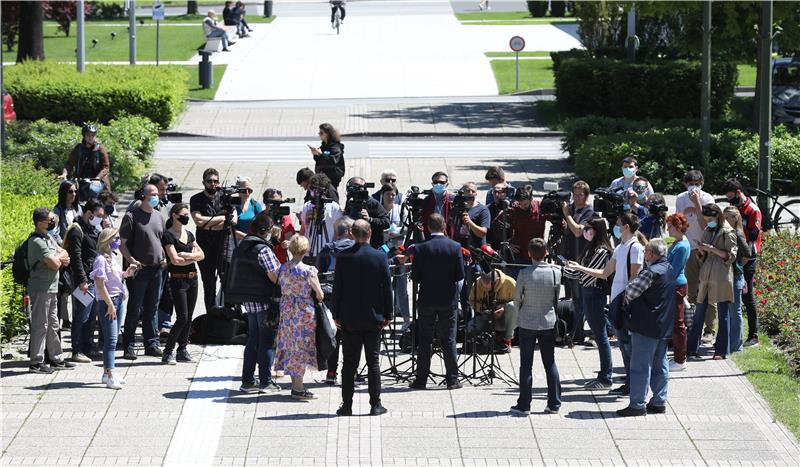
pixel 213 44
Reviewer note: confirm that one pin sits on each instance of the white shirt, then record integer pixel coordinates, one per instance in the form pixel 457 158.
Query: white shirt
pixel 625 185
pixel 685 206
pixel 332 213
pixel 620 255
pixel 394 221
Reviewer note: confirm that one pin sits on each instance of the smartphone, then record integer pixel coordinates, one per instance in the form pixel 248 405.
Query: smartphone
pixel 562 259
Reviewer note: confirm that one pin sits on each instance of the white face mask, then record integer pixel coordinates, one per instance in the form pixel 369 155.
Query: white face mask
pixel 96 221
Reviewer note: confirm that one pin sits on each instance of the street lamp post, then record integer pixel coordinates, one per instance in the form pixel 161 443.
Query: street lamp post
pixel 81 46
pixel 132 31
pixel 705 90
pixel 765 105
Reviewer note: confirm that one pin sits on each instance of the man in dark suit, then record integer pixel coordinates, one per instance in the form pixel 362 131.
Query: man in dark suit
pixel 362 301
pixel 438 267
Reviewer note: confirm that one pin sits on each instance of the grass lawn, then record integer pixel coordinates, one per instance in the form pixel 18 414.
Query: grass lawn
pixel 178 19
pixel 766 369
pixel 508 17
pixel 195 91
pixel 521 54
pixel 747 75
pixel 533 74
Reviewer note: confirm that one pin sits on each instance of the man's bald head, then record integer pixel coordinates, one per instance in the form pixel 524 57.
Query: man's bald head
pixel 361 231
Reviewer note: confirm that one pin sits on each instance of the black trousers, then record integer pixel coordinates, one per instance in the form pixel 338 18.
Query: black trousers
pixel 208 271
pixel 749 300
pixel 184 293
pixel 352 342
pixel 333 12
pixel 333 359
pixel 443 320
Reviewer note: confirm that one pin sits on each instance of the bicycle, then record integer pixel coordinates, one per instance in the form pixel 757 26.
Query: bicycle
pixel 337 15
pixel 782 216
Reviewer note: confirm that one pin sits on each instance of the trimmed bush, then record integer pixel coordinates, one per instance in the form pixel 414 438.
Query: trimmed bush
pixel 129 140
pixel 614 88
pixel 558 9
pixel 57 92
pixel 537 9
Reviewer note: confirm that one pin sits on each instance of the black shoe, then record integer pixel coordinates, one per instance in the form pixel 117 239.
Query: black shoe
pixel 454 385
pixel 623 390
pixel 62 365
pixel 40 368
pixel 655 409
pixel 417 384
pixel 129 354
pixel 344 411
pixel 183 355
pixel 226 50
pixel 377 409
pixel 67 324
pixel 631 412
pixel 153 351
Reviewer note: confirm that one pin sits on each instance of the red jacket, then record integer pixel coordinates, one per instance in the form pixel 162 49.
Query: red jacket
pixel 751 218
pixel 430 207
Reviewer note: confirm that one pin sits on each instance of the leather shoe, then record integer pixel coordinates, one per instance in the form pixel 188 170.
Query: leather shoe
pixel 417 384
pixel 454 385
pixel 344 411
pixel 656 409
pixel 377 409
pixel 631 412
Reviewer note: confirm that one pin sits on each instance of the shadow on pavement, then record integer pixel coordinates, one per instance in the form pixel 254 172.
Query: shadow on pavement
pixel 299 416
pixel 474 116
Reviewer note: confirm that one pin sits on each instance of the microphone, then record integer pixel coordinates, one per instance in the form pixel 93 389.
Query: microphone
pixel 489 251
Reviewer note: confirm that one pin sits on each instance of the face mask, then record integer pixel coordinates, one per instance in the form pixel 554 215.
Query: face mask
pixel 153 201
pixel 115 244
pixel 438 188
pixel 712 225
pixel 626 207
pixel 96 221
pixel 618 231
pixel 641 197
pixel 628 172
pixel 588 235
pixel 51 225
pixel 692 188
pixel 734 201
pixel 183 219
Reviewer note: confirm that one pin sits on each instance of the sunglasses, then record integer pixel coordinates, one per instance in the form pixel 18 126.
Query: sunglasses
pixel 72 192
pixel 211 182
pixel 390 180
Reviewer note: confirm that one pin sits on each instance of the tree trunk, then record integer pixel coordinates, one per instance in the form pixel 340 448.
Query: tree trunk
pixel 31 31
pixel 191 8
pixel 756 100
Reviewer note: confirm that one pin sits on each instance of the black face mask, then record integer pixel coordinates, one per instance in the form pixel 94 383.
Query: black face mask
pixel 51 225
pixel 734 201
pixel 183 219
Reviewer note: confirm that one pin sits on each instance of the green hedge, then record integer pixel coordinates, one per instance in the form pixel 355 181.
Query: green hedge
pixel 57 92
pixel 129 140
pixel 666 154
pixel 24 188
pixel 614 88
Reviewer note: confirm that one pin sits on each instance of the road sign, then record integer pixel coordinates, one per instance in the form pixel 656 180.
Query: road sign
pixel 158 11
pixel 517 43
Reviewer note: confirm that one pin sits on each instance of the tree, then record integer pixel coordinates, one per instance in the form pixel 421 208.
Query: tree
pixel 10 24
pixel 31 31
pixel 191 8
pixel 62 12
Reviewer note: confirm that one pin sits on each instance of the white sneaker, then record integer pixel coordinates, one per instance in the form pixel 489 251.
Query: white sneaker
pixel 112 383
pixel 104 379
pixel 675 366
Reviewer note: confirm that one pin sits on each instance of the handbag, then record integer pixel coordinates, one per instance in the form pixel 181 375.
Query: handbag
pixel 325 334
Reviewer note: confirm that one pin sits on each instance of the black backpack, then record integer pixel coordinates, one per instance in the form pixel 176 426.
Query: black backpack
pixel 20 269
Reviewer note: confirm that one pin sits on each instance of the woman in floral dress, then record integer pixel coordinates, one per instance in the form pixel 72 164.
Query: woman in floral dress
pixel 296 345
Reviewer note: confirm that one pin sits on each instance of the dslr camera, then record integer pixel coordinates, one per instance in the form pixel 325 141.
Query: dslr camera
pixel 658 209
pixel 357 196
pixel 610 203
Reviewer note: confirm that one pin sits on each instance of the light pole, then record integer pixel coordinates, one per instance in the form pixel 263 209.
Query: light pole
pixel 705 89
pixel 81 46
pixel 132 31
pixel 765 106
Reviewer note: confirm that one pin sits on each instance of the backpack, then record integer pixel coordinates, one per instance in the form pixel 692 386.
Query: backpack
pixel 19 268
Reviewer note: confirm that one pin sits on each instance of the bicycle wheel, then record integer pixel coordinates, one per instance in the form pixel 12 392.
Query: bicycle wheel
pixel 787 218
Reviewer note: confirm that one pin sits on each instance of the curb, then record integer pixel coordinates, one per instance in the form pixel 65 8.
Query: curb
pixel 530 134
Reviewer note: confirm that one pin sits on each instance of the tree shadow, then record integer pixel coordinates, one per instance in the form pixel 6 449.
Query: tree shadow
pixel 473 116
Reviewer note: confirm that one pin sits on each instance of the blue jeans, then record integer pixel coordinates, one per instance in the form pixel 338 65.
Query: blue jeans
pixel 82 320
pixel 222 35
pixel 145 291
pixel 259 349
pixel 110 330
pixel 649 367
pixel 722 344
pixel 593 301
pixel 737 329
pixel 400 287
pixel 547 343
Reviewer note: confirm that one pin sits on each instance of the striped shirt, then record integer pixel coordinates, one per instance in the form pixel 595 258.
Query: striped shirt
pixel 598 261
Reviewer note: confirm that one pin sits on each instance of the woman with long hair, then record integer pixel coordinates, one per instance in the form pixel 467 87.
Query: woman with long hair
pixel 67 210
pixel 743 255
pixel 678 255
pixel 329 157
pixel 183 253
pixel 594 297
pixel 108 279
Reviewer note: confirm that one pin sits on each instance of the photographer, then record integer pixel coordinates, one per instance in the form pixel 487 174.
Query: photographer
pixel 438 202
pixel 494 176
pixel 360 205
pixel 576 217
pixel 472 217
pixel 329 157
pixel 637 196
pixel 499 211
pixel 209 217
pixel 274 197
pixel 501 295
pixel 319 214
pixel 527 223
pixel 303 179
pixel 653 223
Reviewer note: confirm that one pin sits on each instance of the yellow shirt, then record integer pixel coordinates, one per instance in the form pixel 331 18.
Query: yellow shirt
pixel 503 289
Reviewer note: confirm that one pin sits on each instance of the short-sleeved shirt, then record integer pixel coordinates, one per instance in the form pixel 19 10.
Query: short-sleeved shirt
pixel 143 232
pixel 209 207
pixel 684 206
pixel 483 218
pixel 110 273
pixel 171 239
pixel 621 257
pixel 574 246
pixel 269 263
pixel 41 278
pixel 246 214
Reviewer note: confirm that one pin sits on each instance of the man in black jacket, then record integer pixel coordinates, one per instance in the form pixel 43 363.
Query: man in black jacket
pixel 360 205
pixel 81 245
pixel 362 301
pixel 438 267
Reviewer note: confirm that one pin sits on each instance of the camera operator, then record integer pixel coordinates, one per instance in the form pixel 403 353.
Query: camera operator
pixel 274 197
pixel 209 217
pixel 303 179
pixel 504 312
pixel 438 202
pixel 499 211
pixel 360 205
pixel 655 220
pixel 475 219
pixel 527 223
pixel 88 159
pixel 577 216
pixel 319 214
pixel 388 177
pixel 494 176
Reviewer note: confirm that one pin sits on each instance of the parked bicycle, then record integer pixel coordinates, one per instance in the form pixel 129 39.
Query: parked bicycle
pixel 782 216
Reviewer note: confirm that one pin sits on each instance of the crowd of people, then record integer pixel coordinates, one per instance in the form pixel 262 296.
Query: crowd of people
pixel 637 273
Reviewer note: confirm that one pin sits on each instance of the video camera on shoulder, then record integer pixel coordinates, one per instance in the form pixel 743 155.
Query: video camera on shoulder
pixel 414 201
pixel 278 209
pixel 230 197
pixel 550 206
pixel 357 195
pixel 461 203
pixel 173 196
pixel 609 203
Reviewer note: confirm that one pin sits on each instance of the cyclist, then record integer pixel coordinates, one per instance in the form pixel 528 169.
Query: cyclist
pixel 89 159
pixel 340 5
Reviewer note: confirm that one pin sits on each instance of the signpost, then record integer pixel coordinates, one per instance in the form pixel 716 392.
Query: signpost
pixel 517 44
pixel 158 16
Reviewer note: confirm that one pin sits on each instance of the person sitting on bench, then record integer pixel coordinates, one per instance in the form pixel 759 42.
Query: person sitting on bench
pixel 213 30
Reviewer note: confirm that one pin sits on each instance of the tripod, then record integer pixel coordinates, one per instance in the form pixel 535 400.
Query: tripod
pixel 505 249
pixel 229 243
pixel 318 231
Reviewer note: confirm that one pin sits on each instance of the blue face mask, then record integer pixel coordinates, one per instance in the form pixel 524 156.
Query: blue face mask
pixel 153 201
pixel 628 172
pixel 618 231
pixel 438 188
pixel 712 225
pixel 626 207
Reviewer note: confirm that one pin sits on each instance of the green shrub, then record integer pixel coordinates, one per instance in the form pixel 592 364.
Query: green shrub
pixel 537 9
pixel 558 9
pixel 57 92
pixel 129 140
pixel 614 88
